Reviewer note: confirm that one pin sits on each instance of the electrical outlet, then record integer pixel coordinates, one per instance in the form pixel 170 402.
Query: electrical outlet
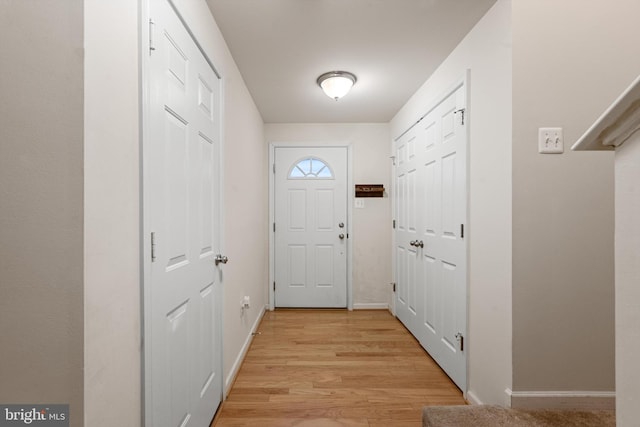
pixel 550 141
pixel 359 203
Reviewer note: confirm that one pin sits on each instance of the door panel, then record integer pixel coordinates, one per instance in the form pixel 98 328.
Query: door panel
pixel 183 381
pixel 411 282
pixel 325 211
pixel 401 279
pixel 407 202
pixel 297 220
pixel 430 205
pixel 324 270
pixel 430 294
pixel 297 267
pixel 310 202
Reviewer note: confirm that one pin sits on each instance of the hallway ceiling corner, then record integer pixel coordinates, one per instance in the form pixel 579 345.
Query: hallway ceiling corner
pixel 282 46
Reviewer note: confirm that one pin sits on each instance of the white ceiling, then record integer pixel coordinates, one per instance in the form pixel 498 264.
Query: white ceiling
pixel 392 46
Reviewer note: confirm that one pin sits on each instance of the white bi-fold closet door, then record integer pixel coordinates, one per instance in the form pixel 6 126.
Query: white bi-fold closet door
pixel 430 244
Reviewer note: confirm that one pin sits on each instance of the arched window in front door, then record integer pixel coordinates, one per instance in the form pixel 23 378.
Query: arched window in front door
pixel 310 168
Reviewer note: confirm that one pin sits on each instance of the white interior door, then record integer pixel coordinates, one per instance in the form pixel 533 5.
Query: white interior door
pixel 311 230
pixel 183 381
pixel 431 250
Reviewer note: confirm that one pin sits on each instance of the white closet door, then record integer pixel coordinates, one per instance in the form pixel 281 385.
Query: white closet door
pixel 183 378
pixel 431 249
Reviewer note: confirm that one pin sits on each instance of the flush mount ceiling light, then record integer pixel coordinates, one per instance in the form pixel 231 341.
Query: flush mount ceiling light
pixel 336 84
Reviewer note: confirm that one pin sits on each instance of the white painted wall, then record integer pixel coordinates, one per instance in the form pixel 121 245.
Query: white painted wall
pixel 41 204
pixel 486 51
pixel 568 66
pixel 245 190
pixel 112 216
pixel 371 228
pixel 627 246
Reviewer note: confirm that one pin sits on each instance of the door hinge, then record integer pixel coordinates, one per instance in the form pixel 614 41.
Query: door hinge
pixel 394 224
pixel 274 285
pixel 153 246
pixel 461 111
pixel 462 231
pixel 394 287
pixel 274 168
pixel 274 227
pixel 151 46
pixel 460 339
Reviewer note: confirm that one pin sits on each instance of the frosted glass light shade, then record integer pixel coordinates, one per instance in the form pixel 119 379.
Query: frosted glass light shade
pixel 336 84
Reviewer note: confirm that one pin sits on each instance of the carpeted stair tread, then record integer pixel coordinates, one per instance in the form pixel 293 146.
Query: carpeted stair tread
pixel 497 416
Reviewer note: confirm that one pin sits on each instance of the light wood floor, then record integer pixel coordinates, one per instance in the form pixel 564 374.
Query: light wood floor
pixel 330 368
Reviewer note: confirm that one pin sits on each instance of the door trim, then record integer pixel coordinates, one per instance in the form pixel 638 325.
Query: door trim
pixel 350 200
pixel 144 114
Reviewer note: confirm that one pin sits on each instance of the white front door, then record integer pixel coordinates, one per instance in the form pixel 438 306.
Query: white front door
pixel 311 229
pixel 183 378
pixel 431 249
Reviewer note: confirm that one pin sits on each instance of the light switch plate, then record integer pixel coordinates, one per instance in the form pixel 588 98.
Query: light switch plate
pixel 550 141
pixel 359 203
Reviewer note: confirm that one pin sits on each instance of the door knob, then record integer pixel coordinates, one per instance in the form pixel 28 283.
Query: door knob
pixel 419 244
pixel 221 259
pixel 341 236
pixel 341 225
pixel 412 243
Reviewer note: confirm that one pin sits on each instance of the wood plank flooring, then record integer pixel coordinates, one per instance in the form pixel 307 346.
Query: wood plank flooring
pixel 329 368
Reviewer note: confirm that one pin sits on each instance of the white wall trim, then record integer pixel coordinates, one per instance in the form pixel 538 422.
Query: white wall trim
pixel 228 383
pixel 272 216
pixel 371 306
pixel 590 400
pixel 616 125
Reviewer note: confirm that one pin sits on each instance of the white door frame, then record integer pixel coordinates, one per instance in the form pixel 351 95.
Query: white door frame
pixel 350 199
pixel 145 217
pixel 462 80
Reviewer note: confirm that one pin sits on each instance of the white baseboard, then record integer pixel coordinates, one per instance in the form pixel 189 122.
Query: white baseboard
pixel 588 400
pixel 473 399
pixel 371 306
pixel 243 352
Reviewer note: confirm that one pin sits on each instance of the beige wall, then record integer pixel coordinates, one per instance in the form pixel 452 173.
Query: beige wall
pixel 112 215
pixel 486 52
pixel 41 204
pixel 371 230
pixel 570 61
